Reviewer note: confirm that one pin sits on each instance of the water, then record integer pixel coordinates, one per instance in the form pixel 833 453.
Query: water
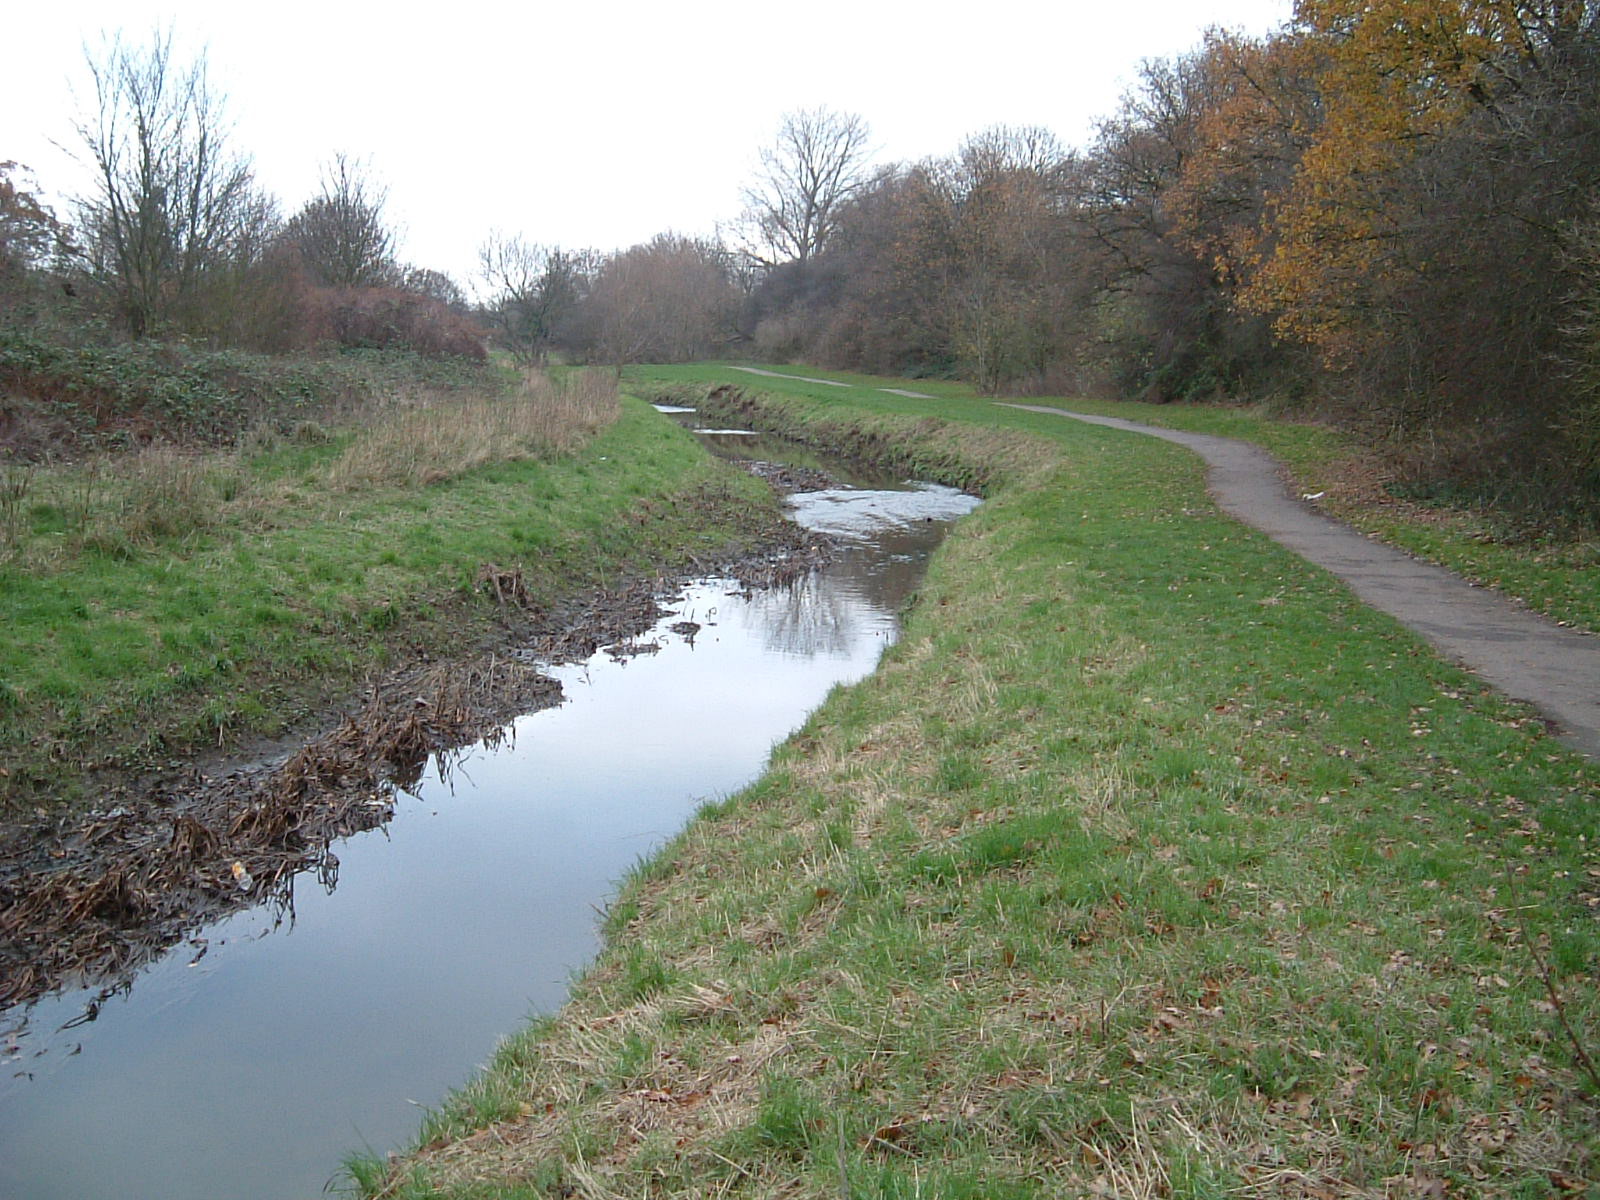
pixel 251 1070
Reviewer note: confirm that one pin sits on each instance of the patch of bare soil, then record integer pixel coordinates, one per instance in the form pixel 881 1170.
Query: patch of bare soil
pixel 88 900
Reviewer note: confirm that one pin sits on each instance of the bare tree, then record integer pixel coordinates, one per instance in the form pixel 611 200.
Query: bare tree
pixel 1008 190
pixel 436 285
pixel 1010 150
pixel 171 199
pixel 817 163
pixel 342 235
pixel 670 299
pixel 532 291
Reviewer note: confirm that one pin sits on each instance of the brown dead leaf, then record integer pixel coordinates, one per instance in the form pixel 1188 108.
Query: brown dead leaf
pixel 1169 1019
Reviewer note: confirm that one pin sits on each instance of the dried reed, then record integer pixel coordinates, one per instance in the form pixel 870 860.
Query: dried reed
pixel 417 440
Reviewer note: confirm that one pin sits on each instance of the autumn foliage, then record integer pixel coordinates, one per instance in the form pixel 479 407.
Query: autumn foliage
pixel 1385 211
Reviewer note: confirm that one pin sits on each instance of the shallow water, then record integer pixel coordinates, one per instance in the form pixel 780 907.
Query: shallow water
pixel 251 1069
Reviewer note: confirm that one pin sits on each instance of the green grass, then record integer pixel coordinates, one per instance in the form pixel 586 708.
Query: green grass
pixel 1148 864
pixel 1558 576
pixel 133 651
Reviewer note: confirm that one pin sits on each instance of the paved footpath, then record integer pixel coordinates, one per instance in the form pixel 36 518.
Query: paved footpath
pixel 1527 656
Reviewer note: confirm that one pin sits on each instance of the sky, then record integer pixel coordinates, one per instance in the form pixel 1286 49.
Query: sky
pixel 592 125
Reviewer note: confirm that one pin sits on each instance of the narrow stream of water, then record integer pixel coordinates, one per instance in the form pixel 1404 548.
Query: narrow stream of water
pixel 251 1069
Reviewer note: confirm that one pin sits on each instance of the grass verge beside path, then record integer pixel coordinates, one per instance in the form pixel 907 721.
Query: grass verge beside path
pixel 1148 864
pixel 1559 577
pixel 364 549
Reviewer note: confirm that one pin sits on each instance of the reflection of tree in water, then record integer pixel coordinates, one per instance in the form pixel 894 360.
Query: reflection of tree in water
pixel 899 561
pixel 813 616
pixel 821 614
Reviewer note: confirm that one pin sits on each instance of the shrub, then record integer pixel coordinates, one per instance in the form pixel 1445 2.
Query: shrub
pixel 387 318
pixel 57 396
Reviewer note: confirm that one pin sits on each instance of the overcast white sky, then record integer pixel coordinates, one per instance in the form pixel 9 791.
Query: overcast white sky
pixel 596 124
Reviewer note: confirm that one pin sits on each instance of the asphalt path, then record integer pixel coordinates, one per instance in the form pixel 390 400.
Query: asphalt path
pixel 1526 656
pixel 828 382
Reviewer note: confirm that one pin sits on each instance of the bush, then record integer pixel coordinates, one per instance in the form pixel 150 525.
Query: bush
pixel 390 318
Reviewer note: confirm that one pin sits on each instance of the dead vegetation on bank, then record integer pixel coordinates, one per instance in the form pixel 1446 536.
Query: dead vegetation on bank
pixel 405 443
pixel 122 502
pixel 169 598
pixel 89 900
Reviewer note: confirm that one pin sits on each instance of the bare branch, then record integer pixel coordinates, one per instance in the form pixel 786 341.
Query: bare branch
pixel 817 163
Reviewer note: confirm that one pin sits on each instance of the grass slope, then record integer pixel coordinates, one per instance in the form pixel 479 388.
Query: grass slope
pixel 1148 864
pixel 1553 574
pixel 127 652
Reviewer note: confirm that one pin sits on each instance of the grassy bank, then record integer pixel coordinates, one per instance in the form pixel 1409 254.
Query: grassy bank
pixel 174 600
pixel 1552 571
pixel 71 394
pixel 1149 864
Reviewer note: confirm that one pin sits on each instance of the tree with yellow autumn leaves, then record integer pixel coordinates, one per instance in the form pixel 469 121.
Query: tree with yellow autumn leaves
pixel 1389 209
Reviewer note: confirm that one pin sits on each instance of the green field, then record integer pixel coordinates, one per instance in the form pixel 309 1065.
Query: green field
pixel 1552 573
pixel 1149 863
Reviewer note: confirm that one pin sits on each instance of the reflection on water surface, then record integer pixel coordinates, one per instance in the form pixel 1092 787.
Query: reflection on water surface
pixel 251 1069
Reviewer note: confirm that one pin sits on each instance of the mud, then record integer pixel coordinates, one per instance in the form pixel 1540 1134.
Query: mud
pixel 788 479
pixel 86 901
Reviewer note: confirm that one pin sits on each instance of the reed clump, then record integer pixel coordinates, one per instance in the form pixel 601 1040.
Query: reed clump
pixel 122 503
pixel 419 439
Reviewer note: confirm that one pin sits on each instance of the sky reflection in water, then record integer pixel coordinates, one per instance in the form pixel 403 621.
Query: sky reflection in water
pixel 252 1071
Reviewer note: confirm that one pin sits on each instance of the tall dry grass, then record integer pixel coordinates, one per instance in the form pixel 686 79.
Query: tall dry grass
pixel 117 503
pixel 168 493
pixel 422 439
pixel 15 482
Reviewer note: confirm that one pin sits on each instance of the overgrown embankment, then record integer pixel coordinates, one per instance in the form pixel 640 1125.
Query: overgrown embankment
pixel 174 599
pixel 74 396
pixel 1149 863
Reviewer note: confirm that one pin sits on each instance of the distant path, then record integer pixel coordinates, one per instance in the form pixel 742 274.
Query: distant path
pixel 781 375
pixel 829 382
pixel 1555 669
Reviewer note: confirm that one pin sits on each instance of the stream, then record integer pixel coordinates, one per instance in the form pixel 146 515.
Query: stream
pixel 251 1059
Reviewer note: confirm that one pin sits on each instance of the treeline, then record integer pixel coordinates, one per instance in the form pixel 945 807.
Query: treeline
pixel 175 239
pixel 1389 210
pixel 175 242
pixel 1386 212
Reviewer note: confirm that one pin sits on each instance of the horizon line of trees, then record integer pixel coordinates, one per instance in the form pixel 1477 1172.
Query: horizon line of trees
pixel 175 238
pixel 1384 212
pixel 1388 210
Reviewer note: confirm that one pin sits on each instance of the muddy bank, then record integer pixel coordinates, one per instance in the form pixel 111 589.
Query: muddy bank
pixel 87 900
pixel 788 479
